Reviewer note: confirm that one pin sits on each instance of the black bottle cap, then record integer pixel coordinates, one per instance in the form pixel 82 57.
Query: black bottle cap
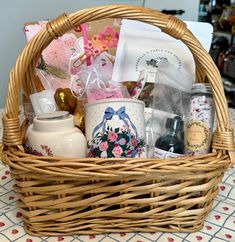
pixel 175 123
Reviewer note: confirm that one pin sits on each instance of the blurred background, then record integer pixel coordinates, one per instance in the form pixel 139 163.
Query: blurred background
pixel 221 14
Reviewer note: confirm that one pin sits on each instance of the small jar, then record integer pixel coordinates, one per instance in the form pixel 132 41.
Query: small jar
pixel 54 134
pixel 201 119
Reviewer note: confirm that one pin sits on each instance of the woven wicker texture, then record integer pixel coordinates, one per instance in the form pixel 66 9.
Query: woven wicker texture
pixel 80 196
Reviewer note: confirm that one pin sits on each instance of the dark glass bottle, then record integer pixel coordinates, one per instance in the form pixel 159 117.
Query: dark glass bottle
pixel 171 143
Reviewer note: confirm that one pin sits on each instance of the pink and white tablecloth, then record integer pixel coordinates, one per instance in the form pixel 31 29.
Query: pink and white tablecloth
pixel 219 225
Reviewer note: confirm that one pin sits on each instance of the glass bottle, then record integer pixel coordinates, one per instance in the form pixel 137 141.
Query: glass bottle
pixel 171 143
pixel 201 119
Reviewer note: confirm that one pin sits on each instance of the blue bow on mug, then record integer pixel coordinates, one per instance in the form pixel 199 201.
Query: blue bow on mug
pixel 108 115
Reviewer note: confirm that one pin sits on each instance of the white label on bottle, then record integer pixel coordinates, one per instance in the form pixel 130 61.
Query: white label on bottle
pixel 162 154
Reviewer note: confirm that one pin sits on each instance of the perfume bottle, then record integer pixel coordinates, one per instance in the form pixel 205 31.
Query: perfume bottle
pixel 171 143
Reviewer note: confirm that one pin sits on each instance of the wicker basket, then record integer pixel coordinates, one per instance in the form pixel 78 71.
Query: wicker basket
pixel 88 196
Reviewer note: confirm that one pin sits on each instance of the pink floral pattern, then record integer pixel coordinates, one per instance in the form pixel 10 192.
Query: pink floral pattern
pixel 59 51
pixel 117 151
pixel 112 136
pixel 92 50
pixel 46 150
pixel 103 146
pixel 98 43
pixel 119 142
pixel 109 37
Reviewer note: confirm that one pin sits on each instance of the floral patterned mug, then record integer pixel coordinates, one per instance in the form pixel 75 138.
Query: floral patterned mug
pixel 115 128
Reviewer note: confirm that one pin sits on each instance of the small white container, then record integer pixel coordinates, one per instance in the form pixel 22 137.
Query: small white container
pixel 115 128
pixel 42 102
pixel 54 134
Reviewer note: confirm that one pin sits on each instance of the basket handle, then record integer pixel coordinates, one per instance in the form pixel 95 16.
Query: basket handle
pixel 23 72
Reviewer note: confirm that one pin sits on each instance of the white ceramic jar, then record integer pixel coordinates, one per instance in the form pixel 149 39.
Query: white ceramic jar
pixel 54 134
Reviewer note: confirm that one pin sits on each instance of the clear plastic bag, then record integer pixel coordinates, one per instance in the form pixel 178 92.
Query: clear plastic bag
pixel 170 99
pixel 92 84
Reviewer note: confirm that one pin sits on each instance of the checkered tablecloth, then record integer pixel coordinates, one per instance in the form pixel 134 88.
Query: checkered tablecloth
pixel 219 225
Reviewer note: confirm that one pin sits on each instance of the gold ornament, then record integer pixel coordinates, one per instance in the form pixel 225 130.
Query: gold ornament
pixel 65 100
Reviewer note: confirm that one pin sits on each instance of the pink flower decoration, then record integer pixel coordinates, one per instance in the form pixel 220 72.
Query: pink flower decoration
pixel 59 52
pixel 112 136
pixel 139 152
pixel 139 84
pixel 109 37
pixel 98 43
pixel 134 92
pixel 89 46
pixel 117 151
pixel 122 141
pixel 90 154
pixel 92 50
pixel 69 42
pixel 103 146
pixel 134 142
pixel 129 152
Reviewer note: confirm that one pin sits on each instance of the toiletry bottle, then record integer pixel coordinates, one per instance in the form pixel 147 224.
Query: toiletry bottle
pixel 171 143
pixel 201 119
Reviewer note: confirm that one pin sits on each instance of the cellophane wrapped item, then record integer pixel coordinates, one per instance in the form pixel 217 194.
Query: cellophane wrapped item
pixel 92 84
pixel 170 99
